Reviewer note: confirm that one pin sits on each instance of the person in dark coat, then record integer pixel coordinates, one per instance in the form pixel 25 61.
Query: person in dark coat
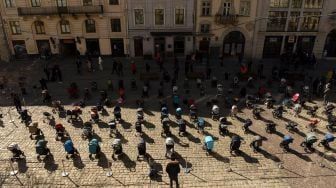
pixel 43 83
pixel 47 73
pixel 173 169
pixel 17 102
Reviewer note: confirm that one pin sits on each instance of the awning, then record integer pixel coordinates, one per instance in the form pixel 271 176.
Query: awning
pixel 170 33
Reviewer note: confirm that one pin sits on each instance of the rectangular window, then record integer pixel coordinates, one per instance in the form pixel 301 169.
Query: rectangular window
pixel 65 27
pixel 310 21
pixel 293 21
pixel 9 3
pixel 159 16
pixel 35 3
pixel 90 26
pixel 114 2
pixel 62 3
pixel 277 21
pixel 226 9
pixel 179 16
pixel 15 27
pixel 115 25
pixel 206 8
pixel 87 2
pixel 279 3
pixel 139 17
pixel 313 4
pixel 296 3
pixel 245 7
pixel 205 28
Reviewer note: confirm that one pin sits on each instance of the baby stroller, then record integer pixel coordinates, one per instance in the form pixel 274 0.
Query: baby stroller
pixel 249 102
pixel 277 112
pixel 312 111
pixel 297 110
pixel 246 125
pixel 94 115
pixel 16 152
pixel 178 113
pixel 94 148
pixel 141 149
pixel 69 149
pixel 140 115
pixel 193 113
pixel 87 131
pixel 269 100
pixel 165 127
pixel 310 139
pixel 46 98
pixel 138 128
pixel 169 147
pixel 200 125
pixel 182 127
pixel 287 139
pixel 220 90
pixel 113 128
pixel 73 115
pixel 256 112
pixel 164 113
pixel 291 126
pixel 256 143
pixel 176 101
pixel 329 109
pixel 117 113
pixel 215 112
pixel 328 138
pixel 58 108
pixel 234 111
pixel 41 149
pixel 34 130
pixel 235 145
pixel 117 149
pixel 223 126
pixel 270 127
pixel 312 125
pixel 208 144
pixel 25 117
pixel 60 131
pixel 48 118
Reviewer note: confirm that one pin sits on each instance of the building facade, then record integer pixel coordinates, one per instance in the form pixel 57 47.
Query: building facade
pixel 4 49
pixel 224 27
pixel 160 26
pixel 65 27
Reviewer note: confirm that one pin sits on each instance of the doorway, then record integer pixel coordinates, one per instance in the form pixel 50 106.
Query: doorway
pixel 159 45
pixel 20 49
pixel 234 44
pixel 306 44
pixel 92 47
pixel 179 45
pixel 138 47
pixel 330 44
pixel 272 47
pixel 117 46
pixel 68 47
pixel 43 47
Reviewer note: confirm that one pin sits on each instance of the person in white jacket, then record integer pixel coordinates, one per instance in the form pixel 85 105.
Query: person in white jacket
pixel 100 63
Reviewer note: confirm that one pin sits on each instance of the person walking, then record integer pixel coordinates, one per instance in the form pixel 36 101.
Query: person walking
pixel 17 102
pixel 100 63
pixel 173 169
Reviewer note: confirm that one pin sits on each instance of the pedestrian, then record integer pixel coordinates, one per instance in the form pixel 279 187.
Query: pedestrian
pixel 114 66
pixel 78 65
pixel 43 83
pixel 47 73
pixel 326 93
pixel 100 63
pixel 133 67
pixel 147 67
pixel 120 69
pixel 173 169
pixel 17 102
pixel 58 73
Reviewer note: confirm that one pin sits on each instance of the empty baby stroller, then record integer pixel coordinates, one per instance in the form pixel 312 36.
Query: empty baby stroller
pixel 117 149
pixel 73 115
pixel 141 149
pixel 310 139
pixel 34 130
pixel 208 144
pixel 117 113
pixel 69 149
pixel 94 114
pixel 176 101
pixel 234 111
pixel 182 127
pixel 60 131
pixel 164 113
pixel 223 126
pixel 41 149
pixel 58 108
pixel 328 138
pixel 312 125
pixel 193 113
pixel 256 143
pixel 178 113
pixel 17 153
pixel 48 118
pixel 200 125
pixel 165 127
pixel 94 148
pixel 256 112
pixel 138 128
pixel 247 123
pixel 169 147
pixel 291 126
pixel 25 117
pixel 220 90
pixel 87 131
pixel 270 127
pixel 215 112
pixel 235 145
pixel 277 112
pixel 312 111
pixel 113 128
pixel 140 115
pixel 269 100
pixel 284 144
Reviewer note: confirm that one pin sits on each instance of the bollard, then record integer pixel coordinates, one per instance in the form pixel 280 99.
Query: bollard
pixel 64 173
pixel 13 172
pixel 109 173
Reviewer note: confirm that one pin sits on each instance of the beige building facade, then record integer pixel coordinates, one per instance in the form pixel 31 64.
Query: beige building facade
pixel 66 27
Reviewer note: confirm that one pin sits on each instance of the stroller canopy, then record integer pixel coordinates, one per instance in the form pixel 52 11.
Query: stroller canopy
pixel 116 141
pixel 311 137
pixel 68 145
pixel 139 110
pixel 209 142
pixel 295 97
pixel 13 146
pixel 257 138
pixel 94 142
pixel 41 143
pixel 164 110
pixel 179 110
pixel 288 138
pixel 201 122
pixel 329 137
pixel 169 141
pixel 215 108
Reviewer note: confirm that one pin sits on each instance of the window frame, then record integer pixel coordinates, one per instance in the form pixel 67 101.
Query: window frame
pixel 309 7
pixel 66 26
pixel 175 16
pixel 143 16
pixel 15 27
pixel 207 7
pixel 163 22
pixel 90 26
pixel 279 4
pixel 244 12
pixel 282 20
pixel 202 28
pixel 112 25
pixel 35 3
pixel 114 2
pixel 292 4
pixel 39 28
pixel 305 20
pixel 87 2
pixel 9 4
pixel 294 19
pixel 61 3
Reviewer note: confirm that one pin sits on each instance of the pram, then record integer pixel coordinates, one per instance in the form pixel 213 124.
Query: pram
pixel 48 118
pixel 270 127
pixel 34 130
pixel 138 128
pixel 164 113
pixel 310 139
pixel 287 139
pixel 87 131
pixel 94 148
pixel 182 127
pixel 208 144
pixel 256 143
pixel 178 113
pixel 291 126
pixel 140 115
pixel 193 113
pixel 60 131
pixel 328 138
pixel 69 149
pixel 223 126
pixel 141 149
pixel 277 112
pixel 169 147
pixel 41 149
pixel 200 125
pixel 113 128
pixel 235 144
pixel 73 115
pixel 94 114
pixel 215 112
pixel 234 111
pixel 256 112
pixel 25 117
pixel 165 127
pixel 58 108
pixel 117 113
pixel 117 149
pixel 247 123
pixel 17 153
pixel 329 109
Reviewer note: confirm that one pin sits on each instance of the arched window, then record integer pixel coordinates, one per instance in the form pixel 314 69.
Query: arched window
pixel 65 26
pixel 90 26
pixel 39 27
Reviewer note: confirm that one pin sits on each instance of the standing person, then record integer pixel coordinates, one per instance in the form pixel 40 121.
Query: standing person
pixel 59 73
pixel 17 102
pixel 43 83
pixel 100 63
pixel 78 65
pixel 173 169
pixel 47 72
pixel 326 93
pixel 133 68
pixel 114 66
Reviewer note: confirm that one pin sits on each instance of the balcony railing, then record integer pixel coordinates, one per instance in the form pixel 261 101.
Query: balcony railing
pixel 226 19
pixel 24 11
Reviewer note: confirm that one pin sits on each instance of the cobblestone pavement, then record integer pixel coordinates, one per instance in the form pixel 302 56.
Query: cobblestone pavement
pixel 217 170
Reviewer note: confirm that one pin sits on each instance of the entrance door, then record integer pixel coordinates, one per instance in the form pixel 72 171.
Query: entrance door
pixel 306 44
pixel 330 45
pixel 117 46
pixel 234 44
pixel 204 46
pixel 159 45
pixel 289 44
pixel 43 47
pixel 272 47
pixel 138 47
pixel 179 45
pixel 68 47
pixel 20 49
pixel 92 47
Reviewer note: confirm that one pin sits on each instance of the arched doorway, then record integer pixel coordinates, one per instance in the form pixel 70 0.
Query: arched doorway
pixel 330 44
pixel 234 44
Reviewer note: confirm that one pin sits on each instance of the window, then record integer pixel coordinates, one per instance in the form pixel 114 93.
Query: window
pixel 39 27
pixel 139 16
pixel 205 28
pixel 296 3
pixel 159 16
pixel 15 27
pixel 115 25
pixel 226 9
pixel 245 7
pixel 313 4
pixel 61 3
pixel 114 2
pixel 279 3
pixel 9 3
pixel 65 26
pixel 277 21
pixel 310 21
pixel 206 7
pixel 87 2
pixel 90 26
pixel 35 3
pixel 293 21
pixel 179 16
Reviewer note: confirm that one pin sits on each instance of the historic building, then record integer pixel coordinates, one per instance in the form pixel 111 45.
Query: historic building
pixel 4 49
pixel 161 26
pixel 65 26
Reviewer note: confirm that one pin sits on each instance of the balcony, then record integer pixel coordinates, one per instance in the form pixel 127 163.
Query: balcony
pixel 230 19
pixel 25 11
